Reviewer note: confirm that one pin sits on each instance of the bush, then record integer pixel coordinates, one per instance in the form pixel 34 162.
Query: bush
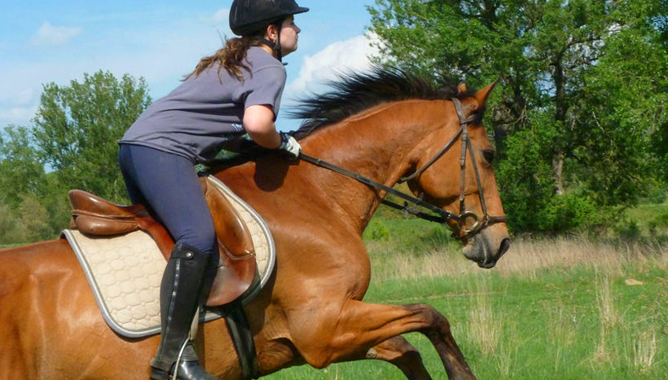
pixel 661 219
pixel 376 230
pixel 568 212
pixel 9 228
pixel 657 195
pixel 628 230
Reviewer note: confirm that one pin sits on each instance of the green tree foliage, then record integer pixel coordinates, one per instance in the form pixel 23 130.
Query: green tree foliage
pixel 22 217
pixel 22 172
pixel 77 128
pixel 74 136
pixel 580 108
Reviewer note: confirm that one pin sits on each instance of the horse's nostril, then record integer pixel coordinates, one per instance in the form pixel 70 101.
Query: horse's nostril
pixel 504 247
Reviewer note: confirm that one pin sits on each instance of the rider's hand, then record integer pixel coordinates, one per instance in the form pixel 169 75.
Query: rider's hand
pixel 290 145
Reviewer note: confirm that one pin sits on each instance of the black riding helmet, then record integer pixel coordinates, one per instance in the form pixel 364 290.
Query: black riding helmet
pixel 247 17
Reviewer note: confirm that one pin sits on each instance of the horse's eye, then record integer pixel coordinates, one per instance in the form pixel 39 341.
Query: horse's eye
pixel 488 155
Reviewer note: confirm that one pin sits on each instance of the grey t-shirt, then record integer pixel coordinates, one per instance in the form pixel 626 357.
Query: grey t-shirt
pixel 202 113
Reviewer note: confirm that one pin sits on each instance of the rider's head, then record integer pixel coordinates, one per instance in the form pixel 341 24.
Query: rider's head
pixel 270 21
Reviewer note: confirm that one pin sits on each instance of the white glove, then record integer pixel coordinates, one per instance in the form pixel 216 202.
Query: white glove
pixel 290 145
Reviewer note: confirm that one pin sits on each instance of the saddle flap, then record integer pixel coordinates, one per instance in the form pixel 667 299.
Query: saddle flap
pixel 230 228
pixel 238 266
pixel 234 276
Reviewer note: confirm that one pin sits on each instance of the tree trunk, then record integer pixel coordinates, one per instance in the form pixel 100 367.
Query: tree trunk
pixel 558 171
pixel 560 118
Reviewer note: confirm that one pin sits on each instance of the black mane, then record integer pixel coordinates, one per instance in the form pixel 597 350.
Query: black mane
pixel 356 92
pixel 349 95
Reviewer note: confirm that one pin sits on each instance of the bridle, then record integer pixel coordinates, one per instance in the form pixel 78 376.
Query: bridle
pixel 442 215
pixel 487 219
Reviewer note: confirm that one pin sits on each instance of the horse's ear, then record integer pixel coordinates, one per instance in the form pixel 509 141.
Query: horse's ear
pixel 461 89
pixel 482 95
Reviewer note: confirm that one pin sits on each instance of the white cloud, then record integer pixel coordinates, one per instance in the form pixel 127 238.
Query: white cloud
pixel 340 57
pixel 49 35
pixel 221 15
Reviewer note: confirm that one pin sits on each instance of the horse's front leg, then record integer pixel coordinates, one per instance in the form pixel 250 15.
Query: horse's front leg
pixel 358 327
pixel 403 355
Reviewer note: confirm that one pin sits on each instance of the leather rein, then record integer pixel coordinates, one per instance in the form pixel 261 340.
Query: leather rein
pixel 442 215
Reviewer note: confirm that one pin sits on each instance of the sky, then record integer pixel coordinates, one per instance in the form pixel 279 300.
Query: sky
pixel 57 41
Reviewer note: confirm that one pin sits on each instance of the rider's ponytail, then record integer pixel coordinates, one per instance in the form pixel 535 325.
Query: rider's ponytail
pixel 230 57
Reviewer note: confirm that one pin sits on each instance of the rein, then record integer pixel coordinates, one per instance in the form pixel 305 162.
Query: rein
pixel 443 216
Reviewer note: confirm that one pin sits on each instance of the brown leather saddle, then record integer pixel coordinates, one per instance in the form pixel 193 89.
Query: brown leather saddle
pixel 95 216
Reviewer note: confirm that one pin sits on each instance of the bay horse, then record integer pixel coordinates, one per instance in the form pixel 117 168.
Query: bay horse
pixel 383 125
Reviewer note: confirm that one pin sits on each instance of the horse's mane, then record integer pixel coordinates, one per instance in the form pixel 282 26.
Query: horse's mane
pixel 350 94
pixel 356 92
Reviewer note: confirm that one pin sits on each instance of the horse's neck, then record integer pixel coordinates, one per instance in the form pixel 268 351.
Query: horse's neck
pixel 377 144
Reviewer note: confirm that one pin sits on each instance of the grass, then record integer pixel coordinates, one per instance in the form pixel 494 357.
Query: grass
pixel 646 220
pixel 564 308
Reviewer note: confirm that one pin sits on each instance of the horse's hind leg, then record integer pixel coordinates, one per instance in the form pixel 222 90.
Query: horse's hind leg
pixel 403 355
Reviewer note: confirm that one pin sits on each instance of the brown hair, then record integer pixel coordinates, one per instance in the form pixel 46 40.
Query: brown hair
pixel 230 57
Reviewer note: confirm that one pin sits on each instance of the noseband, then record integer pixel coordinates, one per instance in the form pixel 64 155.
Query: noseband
pixel 443 216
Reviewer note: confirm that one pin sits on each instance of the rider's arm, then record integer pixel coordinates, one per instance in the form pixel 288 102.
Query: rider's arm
pixel 259 123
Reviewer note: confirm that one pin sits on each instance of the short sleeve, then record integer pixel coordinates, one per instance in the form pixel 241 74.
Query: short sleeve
pixel 265 87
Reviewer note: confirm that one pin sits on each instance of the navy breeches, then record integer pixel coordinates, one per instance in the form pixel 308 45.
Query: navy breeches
pixel 168 186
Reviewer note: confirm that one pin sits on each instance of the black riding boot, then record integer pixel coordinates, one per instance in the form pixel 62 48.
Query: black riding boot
pixel 186 276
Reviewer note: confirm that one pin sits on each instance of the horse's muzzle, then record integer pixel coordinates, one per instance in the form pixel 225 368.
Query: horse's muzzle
pixel 490 261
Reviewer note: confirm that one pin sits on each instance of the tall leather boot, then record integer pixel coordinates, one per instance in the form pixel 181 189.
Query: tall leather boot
pixel 180 296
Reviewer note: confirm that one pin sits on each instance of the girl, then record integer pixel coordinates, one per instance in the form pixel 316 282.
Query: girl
pixel 237 90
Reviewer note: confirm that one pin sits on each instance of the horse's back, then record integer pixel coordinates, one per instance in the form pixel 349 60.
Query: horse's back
pixel 27 271
pixel 28 275
pixel 48 315
pixel 28 268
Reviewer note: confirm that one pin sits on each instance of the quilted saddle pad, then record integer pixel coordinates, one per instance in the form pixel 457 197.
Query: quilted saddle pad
pixel 125 271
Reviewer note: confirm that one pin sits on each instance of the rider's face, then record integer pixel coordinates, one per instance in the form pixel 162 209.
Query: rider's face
pixel 289 35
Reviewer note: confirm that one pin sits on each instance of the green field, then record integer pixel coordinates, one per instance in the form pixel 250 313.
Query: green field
pixel 563 308
pixel 552 309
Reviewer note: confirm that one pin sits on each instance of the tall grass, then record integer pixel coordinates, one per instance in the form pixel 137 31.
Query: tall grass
pixel 563 308
pixel 527 258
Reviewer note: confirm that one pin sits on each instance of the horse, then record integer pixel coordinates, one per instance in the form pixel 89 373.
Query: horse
pixel 382 125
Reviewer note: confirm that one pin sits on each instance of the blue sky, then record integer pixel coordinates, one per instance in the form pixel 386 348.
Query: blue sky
pixel 58 41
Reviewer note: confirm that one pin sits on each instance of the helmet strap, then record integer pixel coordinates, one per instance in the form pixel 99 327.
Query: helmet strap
pixel 275 46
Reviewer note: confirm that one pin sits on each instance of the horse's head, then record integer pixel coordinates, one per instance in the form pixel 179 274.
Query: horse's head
pixel 422 137
pixel 472 197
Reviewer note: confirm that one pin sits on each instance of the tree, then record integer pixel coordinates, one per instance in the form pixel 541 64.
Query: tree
pixel 565 68
pixel 621 111
pixel 20 169
pixel 23 186
pixel 74 136
pixel 77 128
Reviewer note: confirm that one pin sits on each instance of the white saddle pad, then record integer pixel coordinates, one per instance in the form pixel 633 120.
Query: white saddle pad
pixel 125 271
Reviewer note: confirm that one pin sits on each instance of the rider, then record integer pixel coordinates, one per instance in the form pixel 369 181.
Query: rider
pixel 237 90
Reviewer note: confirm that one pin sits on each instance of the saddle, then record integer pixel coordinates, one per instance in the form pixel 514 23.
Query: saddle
pixel 95 216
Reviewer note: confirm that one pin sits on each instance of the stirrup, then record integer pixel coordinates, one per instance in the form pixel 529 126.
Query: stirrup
pixel 194 372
